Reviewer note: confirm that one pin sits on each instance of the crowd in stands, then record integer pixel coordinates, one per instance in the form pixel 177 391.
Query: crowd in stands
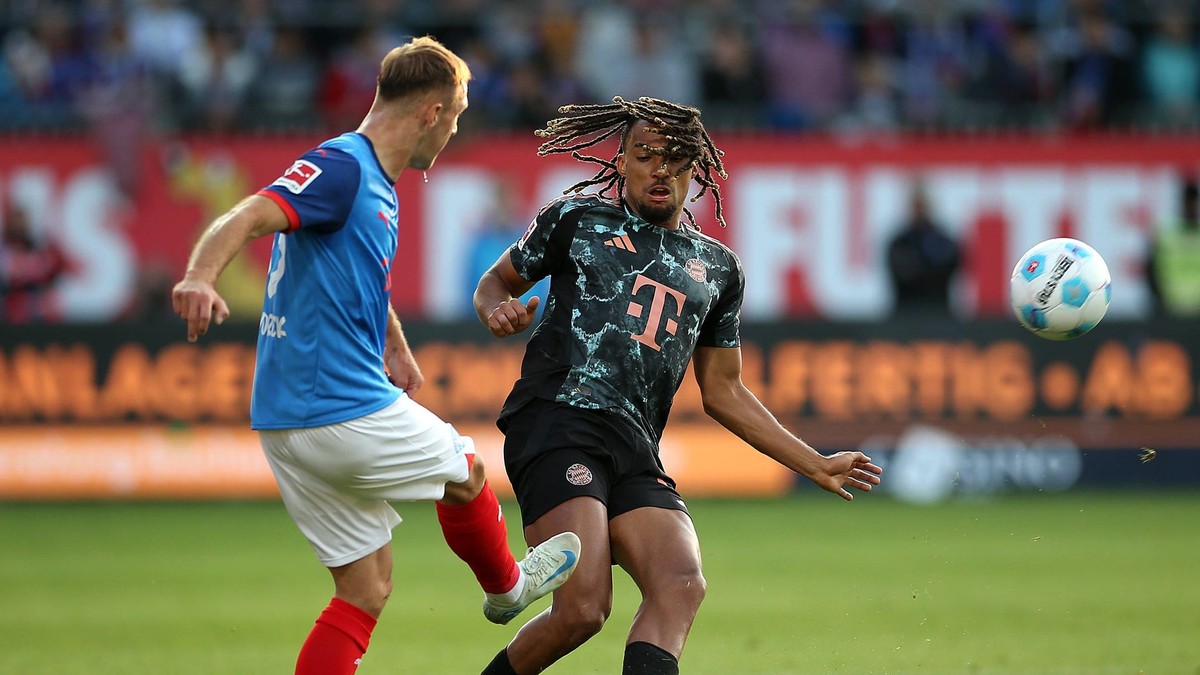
pixel 790 65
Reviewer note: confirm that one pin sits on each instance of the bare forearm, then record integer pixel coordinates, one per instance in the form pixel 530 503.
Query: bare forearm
pixel 728 401
pixel 745 416
pixel 224 238
pixel 489 294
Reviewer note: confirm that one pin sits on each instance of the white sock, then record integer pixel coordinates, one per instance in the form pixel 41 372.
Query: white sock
pixel 513 594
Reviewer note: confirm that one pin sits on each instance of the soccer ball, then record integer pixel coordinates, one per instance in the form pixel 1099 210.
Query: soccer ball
pixel 1060 289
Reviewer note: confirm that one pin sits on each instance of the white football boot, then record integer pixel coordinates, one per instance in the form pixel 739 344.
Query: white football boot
pixel 545 567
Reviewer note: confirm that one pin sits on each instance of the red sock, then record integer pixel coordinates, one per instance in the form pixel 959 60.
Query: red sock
pixel 337 642
pixel 477 533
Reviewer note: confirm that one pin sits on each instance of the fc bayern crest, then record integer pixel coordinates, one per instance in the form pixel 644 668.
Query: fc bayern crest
pixel 696 270
pixel 578 474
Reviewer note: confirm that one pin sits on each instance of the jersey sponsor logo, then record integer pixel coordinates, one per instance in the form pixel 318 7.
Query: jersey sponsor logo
pixel 298 176
pixel 654 315
pixel 272 326
pixel 623 242
pixel 696 270
pixel 578 474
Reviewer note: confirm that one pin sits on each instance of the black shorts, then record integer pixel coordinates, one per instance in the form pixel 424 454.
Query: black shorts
pixel 555 452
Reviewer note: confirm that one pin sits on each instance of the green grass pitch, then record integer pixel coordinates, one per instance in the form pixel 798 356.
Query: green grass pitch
pixel 1083 583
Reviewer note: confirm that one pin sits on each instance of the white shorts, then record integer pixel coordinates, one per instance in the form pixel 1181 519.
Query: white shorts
pixel 336 480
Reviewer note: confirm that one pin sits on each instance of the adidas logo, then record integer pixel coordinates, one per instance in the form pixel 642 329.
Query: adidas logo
pixel 622 242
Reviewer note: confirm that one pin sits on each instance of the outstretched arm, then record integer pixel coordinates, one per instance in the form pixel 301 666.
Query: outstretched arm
pixel 728 401
pixel 195 299
pixel 498 299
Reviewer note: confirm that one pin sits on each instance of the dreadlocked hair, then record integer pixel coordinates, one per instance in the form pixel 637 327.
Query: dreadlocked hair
pixel 586 125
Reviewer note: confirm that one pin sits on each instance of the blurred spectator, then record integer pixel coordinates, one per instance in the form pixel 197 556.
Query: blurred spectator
pixel 117 102
pixel 1174 265
pixel 556 31
pixel 1171 70
pixel 1016 80
pixel 661 62
pixel 348 86
pixel 605 38
pixel 922 260
pixel 256 26
pixel 529 105
pixel 215 79
pixel 558 85
pixel 454 23
pixel 51 65
pixel 163 32
pixel 14 105
pixel 875 107
pixel 733 85
pixel 510 28
pixel 933 66
pixel 283 94
pixel 489 87
pixel 620 53
pixel 29 267
pixel 1099 80
pixel 813 65
pixel 808 70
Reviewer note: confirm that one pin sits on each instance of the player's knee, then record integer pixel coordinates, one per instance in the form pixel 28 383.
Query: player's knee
pixel 686 589
pixel 369 597
pixel 464 492
pixel 581 621
pixel 477 475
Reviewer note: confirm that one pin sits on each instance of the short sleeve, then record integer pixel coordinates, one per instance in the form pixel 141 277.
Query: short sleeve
pixel 541 249
pixel 317 190
pixel 722 327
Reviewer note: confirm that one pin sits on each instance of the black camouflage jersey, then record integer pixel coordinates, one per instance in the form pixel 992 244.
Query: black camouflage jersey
pixel 629 302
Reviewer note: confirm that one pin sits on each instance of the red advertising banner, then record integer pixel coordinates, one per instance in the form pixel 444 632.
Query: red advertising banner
pixel 809 217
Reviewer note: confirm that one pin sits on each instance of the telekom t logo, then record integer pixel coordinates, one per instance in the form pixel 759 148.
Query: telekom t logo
pixel 655 318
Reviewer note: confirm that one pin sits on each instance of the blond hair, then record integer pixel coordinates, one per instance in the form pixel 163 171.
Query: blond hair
pixel 421 65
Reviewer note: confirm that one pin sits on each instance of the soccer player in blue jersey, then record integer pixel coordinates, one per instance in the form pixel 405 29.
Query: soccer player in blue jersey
pixel 636 293
pixel 334 374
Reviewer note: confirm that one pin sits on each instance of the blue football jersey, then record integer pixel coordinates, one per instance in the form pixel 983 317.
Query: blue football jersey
pixel 325 309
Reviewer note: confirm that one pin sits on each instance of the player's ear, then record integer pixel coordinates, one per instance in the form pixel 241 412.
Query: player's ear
pixel 621 164
pixel 431 109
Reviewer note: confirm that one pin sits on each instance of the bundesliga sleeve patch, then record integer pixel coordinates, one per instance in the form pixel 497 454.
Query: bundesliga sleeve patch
pixel 298 176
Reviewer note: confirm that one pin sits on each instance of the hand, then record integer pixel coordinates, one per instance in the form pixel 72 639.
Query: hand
pixel 847 469
pixel 512 316
pixel 197 302
pixel 402 369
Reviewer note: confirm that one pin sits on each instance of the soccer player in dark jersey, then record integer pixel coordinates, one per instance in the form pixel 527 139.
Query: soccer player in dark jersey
pixel 636 292
pixel 342 435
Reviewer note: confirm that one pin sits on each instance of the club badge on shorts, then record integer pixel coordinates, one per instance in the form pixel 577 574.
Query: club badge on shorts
pixel 578 474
